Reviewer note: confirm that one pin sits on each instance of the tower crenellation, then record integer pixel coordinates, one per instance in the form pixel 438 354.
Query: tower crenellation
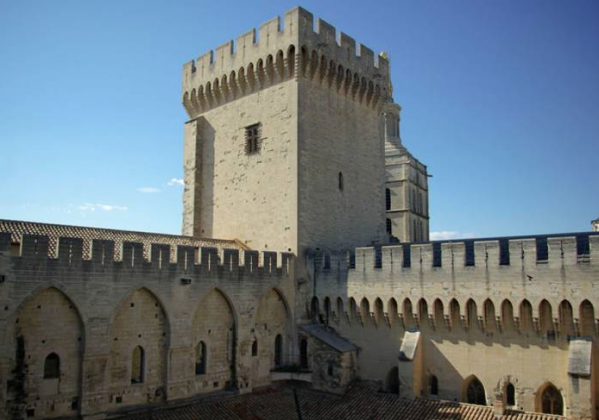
pixel 235 69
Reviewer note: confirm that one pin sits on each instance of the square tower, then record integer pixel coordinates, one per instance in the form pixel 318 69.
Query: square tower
pixel 284 148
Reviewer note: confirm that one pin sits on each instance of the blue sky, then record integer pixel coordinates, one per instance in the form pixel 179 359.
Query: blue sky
pixel 500 99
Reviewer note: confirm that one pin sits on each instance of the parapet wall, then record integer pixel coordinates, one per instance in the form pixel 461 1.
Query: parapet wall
pixel 279 53
pixel 162 257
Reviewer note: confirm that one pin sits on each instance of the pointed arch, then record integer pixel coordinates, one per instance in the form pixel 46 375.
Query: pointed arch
pixel 433 386
pixel 314 308
pixel 507 315
pixel 473 391
pixel 587 318
pixel 365 310
pixel 471 315
pixel 509 391
pixel 549 400
pixel 489 310
pixel 454 314
pixel 340 309
pixel 379 313
pixel 526 323
pixel 272 328
pixel 291 60
pixel 566 318
pixel 408 314
pixel 353 309
pixel 423 313
pixel 546 319
pixel 327 309
pixel 48 331
pixel 139 320
pixel 439 315
pixel 392 311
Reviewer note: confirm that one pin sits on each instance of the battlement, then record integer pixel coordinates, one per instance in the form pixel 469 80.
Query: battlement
pixel 553 251
pixel 70 252
pixel 274 54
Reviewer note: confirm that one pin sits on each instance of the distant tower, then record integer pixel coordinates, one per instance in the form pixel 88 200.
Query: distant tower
pixel 284 144
pixel 595 224
pixel 406 185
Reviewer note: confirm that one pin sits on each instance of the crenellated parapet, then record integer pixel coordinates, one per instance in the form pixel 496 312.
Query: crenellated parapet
pixel 34 250
pixel 275 54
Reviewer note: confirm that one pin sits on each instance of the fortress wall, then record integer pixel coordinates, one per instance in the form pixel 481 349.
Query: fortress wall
pixel 232 194
pixel 373 307
pixel 113 306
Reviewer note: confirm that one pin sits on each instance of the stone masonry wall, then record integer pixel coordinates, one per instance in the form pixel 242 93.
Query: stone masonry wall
pixel 495 321
pixel 93 313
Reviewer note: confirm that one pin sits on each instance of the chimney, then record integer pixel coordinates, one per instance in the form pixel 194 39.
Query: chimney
pixel 498 406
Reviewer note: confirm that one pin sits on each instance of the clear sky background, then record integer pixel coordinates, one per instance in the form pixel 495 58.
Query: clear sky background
pixel 500 99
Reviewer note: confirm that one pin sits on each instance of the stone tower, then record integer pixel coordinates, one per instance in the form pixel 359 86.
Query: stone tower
pixel 284 148
pixel 406 185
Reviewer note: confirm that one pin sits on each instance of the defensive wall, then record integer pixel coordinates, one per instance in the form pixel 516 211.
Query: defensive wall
pixel 105 335
pixel 500 311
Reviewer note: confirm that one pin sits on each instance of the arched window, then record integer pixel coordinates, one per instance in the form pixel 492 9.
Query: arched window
pixel 510 394
pixel 304 353
pixel 475 392
pixel 52 366
pixel 434 386
pixel 137 365
pixel 387 198
pixel 552 401
pixel 255 347
pixel 392 381
pixel 340 181
pixel 278 350
pixel 201 358
pixel 389 226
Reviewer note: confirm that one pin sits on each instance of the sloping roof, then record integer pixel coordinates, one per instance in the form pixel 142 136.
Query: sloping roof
pixel 362 401
pixel 329 336
pixel 18 228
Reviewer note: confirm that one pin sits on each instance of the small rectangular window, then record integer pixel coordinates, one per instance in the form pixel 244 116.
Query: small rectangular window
pixel 252 138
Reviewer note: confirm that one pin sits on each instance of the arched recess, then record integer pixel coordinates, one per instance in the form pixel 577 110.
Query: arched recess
pixel 546 319
pixel 566 318
pixel 549 400
pixel 507 316
pixel 327 309
pixel 408 314
pixel 353 310
pixel 340 310
pixel 473 391
pixel 365 310
pixel 291 60
pixel 587 318
pixel 140 320
pixel 392 381
pixel 392 311
pixel 272 320
pixel 438 314
pixel 489 309
pixel 423 313
pixel 48 343
pixel 471 315
pixel 379 314
pixel 526 316
pixel 214 325
pixel 454 314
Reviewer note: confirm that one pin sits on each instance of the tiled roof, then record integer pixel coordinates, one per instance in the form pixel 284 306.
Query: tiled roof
pixel 18 228
pixel 362 401
pixel 329 336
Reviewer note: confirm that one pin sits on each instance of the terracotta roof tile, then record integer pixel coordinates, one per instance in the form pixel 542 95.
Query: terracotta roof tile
pixel 361 402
